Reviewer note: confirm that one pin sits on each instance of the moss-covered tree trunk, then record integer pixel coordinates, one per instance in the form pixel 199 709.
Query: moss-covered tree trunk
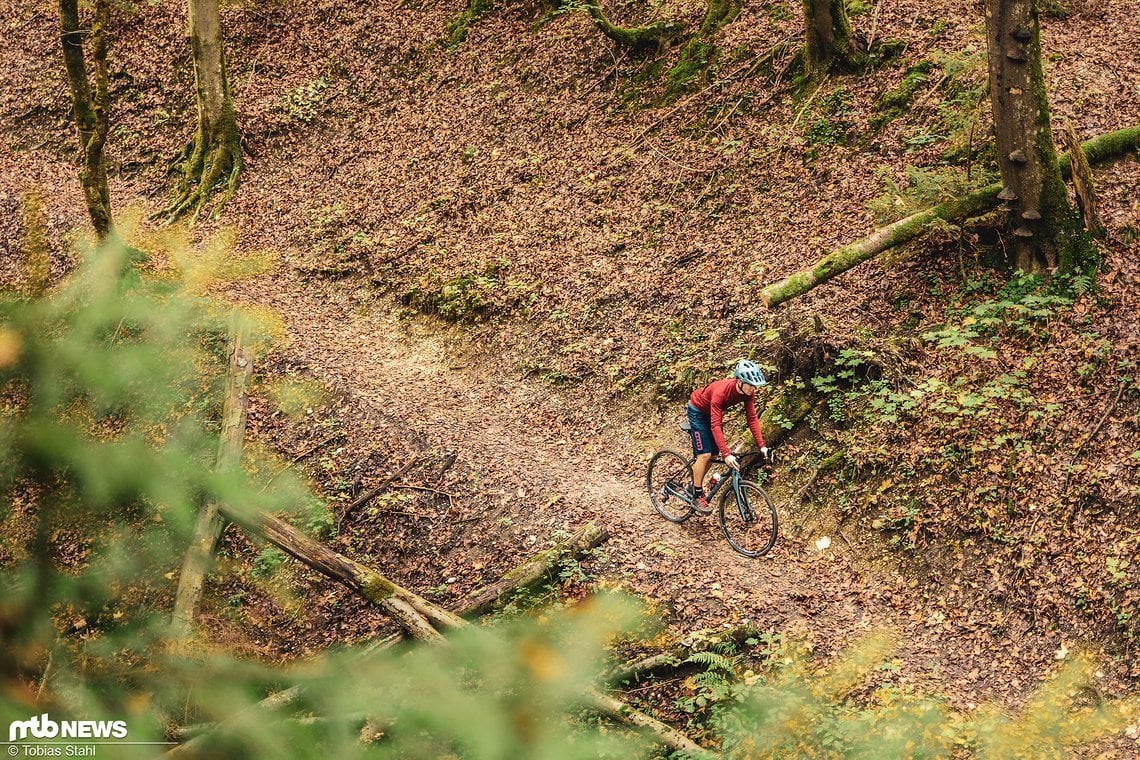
pixel 1045 226
pixel 91 104
pixel 829 41
pixel 213 157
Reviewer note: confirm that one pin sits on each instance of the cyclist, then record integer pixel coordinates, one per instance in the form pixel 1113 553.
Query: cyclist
pixel 706 413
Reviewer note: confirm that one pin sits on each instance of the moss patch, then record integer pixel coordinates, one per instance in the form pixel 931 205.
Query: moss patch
pixel 894 103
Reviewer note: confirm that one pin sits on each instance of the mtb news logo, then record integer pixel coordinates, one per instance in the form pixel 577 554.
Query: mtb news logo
pixel 43 727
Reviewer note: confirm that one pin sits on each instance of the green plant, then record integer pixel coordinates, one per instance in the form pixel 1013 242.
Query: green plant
pixel 302 103
pixel 691 65
pixel 848 709
pixel 1023 308
pixel 317 518
pixel 716 683
pixel 267 562
pixel 458 27
pixel 833 122
pixel 466 297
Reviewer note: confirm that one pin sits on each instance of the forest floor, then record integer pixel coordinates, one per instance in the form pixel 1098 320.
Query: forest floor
pixel 595 233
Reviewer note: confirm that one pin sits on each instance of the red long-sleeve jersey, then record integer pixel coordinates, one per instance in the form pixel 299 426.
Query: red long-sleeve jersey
pixel 714 398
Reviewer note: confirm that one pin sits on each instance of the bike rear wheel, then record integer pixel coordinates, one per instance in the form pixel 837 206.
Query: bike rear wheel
pixel 668 478
pixel 748 519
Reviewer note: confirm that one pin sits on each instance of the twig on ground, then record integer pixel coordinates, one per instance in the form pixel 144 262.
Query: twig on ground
pixel 1096 429
pixel 874 24
pixel 407 487
pixel 361 501
pixel 307 452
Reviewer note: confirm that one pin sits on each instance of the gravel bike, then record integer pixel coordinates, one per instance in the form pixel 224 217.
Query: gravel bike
pixel 745 511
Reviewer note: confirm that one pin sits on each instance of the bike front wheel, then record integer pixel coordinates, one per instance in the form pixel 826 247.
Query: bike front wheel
pixel 748 519
pixel 668 479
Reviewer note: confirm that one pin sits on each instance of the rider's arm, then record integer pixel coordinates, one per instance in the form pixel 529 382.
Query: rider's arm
pixel 716 422
pixel 753 421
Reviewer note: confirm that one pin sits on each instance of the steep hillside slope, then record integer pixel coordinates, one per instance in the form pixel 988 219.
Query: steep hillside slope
pixel 599 235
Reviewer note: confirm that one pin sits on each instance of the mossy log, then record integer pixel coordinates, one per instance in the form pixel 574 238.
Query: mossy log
pixel 414 614
pixel 677 656
pixel 840 260
pixel 669 736
pixel 533 571
pixel 882 239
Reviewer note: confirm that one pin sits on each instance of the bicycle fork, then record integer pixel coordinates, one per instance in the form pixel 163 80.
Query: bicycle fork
pixel 742 505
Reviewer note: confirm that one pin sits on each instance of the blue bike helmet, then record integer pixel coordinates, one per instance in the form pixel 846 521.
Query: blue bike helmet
pixel 748 372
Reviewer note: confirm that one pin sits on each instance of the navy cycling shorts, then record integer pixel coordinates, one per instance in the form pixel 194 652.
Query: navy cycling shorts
pixel 700 431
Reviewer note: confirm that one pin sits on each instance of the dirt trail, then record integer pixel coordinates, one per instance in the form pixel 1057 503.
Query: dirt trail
pixel 547 473
pixel 499 423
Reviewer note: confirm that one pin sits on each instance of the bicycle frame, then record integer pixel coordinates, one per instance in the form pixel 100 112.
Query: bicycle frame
pixel 735 479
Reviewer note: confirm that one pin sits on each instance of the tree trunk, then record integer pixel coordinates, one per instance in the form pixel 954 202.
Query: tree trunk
pixel 1044 224
pixel 840 260
pixel 91 104
pixel 214 155
pixel 829 42
pixel 199 555
pixel 533 571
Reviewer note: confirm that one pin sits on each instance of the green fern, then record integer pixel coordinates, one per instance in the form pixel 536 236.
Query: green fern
pixel 713 661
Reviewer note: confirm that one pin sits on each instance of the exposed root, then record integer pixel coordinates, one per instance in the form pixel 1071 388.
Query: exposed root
pixel 205 164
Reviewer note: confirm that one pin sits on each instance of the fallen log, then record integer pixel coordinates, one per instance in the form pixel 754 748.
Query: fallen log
pixel 611 707
pixel 840 260
pixel 199 555
pixel 531 572
pixel 414 614
pixel 313 554
pixel 882 239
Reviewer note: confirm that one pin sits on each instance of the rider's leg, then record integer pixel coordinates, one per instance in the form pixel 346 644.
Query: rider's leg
pixel 700 432
pixel 700 467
